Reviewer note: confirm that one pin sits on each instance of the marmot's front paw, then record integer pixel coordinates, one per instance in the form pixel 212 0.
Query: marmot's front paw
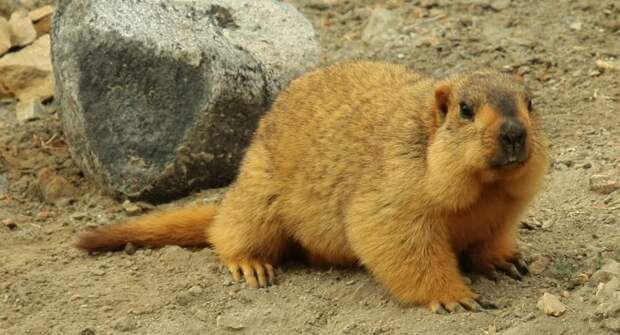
pixel 514 266
pixel 470 302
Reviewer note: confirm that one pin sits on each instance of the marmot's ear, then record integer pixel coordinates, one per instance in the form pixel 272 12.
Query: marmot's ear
pixel 442 100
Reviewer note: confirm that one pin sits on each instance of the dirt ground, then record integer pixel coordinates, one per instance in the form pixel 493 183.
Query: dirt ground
pixel 47 287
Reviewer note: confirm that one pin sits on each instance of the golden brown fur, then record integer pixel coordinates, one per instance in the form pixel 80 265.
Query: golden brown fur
pixel 372 164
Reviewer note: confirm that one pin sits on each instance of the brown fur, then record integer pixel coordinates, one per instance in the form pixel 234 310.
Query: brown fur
pixel 358 164
pixel 183 226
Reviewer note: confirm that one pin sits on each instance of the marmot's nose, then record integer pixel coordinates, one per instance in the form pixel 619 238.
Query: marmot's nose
pixel 512 136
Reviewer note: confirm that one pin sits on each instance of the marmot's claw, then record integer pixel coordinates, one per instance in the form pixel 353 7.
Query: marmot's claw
pixel 521 266
pixel 473 304
pixel 256 273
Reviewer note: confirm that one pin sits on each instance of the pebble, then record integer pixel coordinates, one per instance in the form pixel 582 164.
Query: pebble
pixel 499 5
pixel 539 265
pixel 381 26
pixel 42 216
pixel 603 184
pixel 5 36
pixel 195 290
pixel 612 324
pixel 184 298
pixel 610 269
pixel 41 13
pixel 97 272
pixel 125 324
pixel 228 322
pixel 551 305
pixel 605 291
pixel 9 223
pixel 29 110
pixel 608 65
pixel 78 216
pixel 130 249
pixel 53 187
pixel 576 26
pixel 131 208
pixel 4 183
pixel 547 224
pixel 22 29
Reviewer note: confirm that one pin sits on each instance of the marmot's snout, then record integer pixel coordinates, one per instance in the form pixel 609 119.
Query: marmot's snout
pixel 512 139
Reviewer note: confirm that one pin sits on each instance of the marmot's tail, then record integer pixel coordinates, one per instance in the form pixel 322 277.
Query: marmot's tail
pixel 180 226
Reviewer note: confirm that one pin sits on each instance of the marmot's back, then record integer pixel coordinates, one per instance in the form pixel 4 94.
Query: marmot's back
pixel 332 125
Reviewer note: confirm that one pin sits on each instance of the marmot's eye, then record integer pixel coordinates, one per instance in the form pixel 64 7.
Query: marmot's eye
pixel 466 111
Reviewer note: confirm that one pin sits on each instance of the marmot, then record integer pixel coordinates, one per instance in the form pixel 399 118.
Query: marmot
pixel 373 164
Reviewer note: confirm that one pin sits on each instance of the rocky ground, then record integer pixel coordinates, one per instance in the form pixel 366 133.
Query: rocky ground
pixel 568 52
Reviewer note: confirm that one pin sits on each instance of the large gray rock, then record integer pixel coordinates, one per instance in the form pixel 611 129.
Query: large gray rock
pixel 161 97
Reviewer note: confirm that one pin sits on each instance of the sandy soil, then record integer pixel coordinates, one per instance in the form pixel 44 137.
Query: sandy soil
pixel 47 287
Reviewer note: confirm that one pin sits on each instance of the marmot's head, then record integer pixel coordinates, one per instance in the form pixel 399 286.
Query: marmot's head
pixel 488 119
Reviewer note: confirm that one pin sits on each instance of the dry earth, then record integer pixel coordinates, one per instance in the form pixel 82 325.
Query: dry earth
pixel 47 287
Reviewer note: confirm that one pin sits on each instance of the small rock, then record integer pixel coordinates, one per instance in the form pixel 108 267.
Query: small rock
pixel 9 223
pixel 41 13
pixel 87 331
pixel 603 184
pixel 42 216
pixel 131 208
pixel 607 309
pixel 381 26
pixel 575 26
pixel 609 270
pixel 130 249
pixel 78 216
pixel 499 5
pixel 579 280
pixel 529 317
pixel 184 298
pixel 22 29
pixel 125 324
pixel 547 224
pixel 29 110
pixel 551 305
pixel 229 322
pixel 27 73
pixel 612 324
pixel 4 184
pixel 42 18
pixel 605 291
pixel 608 65
pixel 539 265
pixel 97 272
pixel 54 187
pixel 608 219
pixel 5 36
pixel 321 4
pixel 195 290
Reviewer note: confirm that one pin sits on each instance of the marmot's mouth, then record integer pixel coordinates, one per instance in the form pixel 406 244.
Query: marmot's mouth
pixel 502 162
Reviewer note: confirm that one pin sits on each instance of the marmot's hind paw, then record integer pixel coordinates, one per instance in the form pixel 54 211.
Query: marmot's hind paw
pixel 256 273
